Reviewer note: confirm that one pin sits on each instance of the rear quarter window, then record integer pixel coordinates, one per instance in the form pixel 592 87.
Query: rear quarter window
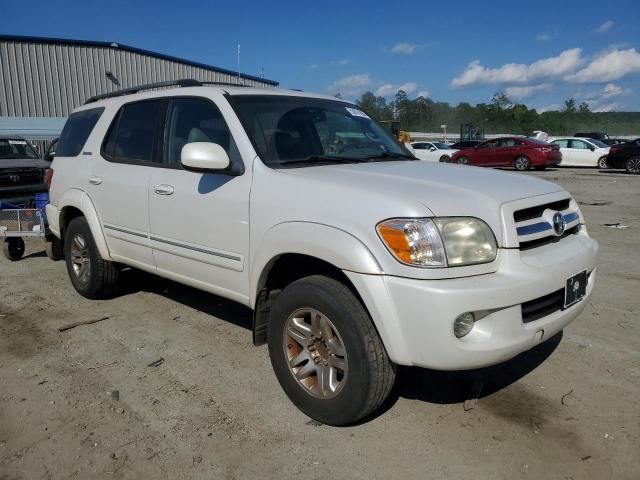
pixel 76 131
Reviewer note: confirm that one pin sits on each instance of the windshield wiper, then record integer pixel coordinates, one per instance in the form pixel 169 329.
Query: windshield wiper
pixel 401 156
pixel 323 158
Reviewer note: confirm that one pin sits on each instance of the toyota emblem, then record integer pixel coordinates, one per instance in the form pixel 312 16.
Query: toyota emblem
pixel 558 223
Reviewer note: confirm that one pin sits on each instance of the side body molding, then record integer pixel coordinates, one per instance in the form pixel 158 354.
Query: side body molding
pixel 79 199
pixel 338 247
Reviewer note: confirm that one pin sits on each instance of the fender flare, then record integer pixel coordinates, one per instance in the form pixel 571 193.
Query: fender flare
pixel 333 245
pixel 80 200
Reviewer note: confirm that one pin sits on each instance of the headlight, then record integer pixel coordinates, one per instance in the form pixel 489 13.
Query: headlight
pixel 439 242
pixel 467 240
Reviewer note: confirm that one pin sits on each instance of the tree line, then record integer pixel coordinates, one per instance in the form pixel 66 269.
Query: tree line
pixel 500 115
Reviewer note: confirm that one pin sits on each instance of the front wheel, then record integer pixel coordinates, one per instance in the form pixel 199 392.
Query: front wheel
pixel 463 160
pixel 326 352
pixel 633 165
pixel 602 162
pixel 521 163
pixel 13 248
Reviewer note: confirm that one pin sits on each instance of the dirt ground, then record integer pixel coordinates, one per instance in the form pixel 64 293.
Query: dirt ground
pixel 568 409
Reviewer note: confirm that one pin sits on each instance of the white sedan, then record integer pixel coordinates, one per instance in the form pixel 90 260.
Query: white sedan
pixel 433 151
pixel 582 152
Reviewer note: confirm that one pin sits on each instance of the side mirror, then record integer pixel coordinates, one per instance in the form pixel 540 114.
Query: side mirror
pixel 432 149
pixel 202 156
pixel 592 148
pixel 49 156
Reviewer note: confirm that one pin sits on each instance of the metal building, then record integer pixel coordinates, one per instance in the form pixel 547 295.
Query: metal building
pixel 43 79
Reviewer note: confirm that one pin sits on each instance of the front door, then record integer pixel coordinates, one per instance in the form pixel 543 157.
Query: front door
pixel 200 221
pixel 581 155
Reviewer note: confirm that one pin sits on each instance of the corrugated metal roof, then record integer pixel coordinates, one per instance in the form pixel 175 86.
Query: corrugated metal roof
pixel 119 46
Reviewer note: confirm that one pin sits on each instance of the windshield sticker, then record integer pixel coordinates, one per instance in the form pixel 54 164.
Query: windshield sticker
pixel 356 113
pixel 17 142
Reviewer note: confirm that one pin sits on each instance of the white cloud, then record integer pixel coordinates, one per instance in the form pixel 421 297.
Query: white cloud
pixel 605 27
pixel 543 37
pixel 423 93
pixel 612 90
pixel 519 93
pixel 351 86
pixel 608 66
pixel 403 48
pixel 476 74
pixel 389 89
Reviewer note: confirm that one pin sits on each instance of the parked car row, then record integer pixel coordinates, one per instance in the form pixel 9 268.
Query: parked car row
pixel 523 153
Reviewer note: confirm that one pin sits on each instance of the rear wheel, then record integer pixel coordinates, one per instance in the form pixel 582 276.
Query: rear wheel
pixel 444 158
pixel 521 163
pixel 463 160
pixel 633 165
pixel 326 352
pixel 13 248
pixel 602 162
pixel 91 275
pixel 53 249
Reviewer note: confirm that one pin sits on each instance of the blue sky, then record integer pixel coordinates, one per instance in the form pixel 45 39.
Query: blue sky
pixel 540 52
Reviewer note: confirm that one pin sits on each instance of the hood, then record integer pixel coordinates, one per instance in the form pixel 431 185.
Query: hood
pixel 24 163
pixel 378 190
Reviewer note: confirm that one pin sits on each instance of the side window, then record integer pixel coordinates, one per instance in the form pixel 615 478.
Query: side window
pixel 418 146
pixel 76 131
pixel 562 143
pixel 194 120
pixel 579 145
pixel 133 134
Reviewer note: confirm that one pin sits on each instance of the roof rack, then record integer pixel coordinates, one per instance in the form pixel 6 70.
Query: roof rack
pixel 184 82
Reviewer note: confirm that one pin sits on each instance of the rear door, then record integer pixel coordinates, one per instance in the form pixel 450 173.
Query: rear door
pixel 119 181
pixel 200 220
pixel 563 144
pixel 485 154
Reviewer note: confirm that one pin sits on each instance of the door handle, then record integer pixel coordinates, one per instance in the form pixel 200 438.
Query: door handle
pixel 163 189
pixel 95 180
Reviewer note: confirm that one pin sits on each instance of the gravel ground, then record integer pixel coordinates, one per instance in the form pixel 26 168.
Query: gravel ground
pixel 568 409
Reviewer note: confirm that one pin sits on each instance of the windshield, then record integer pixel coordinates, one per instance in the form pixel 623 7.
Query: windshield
pixel 441 146
pixel 16 149
pixel 598 143
pixel 301 130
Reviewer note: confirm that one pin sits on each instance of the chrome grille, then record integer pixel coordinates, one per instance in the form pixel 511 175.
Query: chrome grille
pixel 535 227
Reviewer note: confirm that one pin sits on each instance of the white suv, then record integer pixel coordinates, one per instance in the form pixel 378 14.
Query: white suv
pixel 354 256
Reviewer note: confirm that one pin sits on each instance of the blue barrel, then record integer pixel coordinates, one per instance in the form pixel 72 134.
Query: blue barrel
pixel 41 202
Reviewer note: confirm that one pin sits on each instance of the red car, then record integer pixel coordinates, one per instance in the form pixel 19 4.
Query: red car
pixel 520 153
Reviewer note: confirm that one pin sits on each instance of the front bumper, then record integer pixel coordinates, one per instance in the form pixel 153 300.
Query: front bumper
pixel 415 317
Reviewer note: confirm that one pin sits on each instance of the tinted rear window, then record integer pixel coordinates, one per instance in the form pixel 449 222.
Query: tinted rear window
pixel 76 131
pixel 132 135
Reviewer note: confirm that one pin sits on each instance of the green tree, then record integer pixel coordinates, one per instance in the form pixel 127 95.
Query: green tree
pixel 570 105
pixel 584 108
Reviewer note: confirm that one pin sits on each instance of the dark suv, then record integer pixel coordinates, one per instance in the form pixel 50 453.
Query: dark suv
pixel 602 136
pixel 625 155
pixel 22 171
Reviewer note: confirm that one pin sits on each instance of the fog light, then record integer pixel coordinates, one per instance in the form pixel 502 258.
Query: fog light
pixel 463 324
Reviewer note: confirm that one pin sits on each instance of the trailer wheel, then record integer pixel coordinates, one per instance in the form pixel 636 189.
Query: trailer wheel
pixel 13 248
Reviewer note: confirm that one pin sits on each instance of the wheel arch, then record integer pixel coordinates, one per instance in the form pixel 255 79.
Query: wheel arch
pixel 76 203
pixel 294 250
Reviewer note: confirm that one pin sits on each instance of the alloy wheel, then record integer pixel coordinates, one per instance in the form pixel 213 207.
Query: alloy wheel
pixel 633 165
pixel 80 259
pixel 315 353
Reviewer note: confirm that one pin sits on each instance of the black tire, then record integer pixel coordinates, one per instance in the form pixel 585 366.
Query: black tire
pixel 444 159
pixel 633 166
pixel 13 248
pixel 522 163
pixel 602 163
pixel 53 249
pixel 370 375
pixel 463 161
pixel 101 279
